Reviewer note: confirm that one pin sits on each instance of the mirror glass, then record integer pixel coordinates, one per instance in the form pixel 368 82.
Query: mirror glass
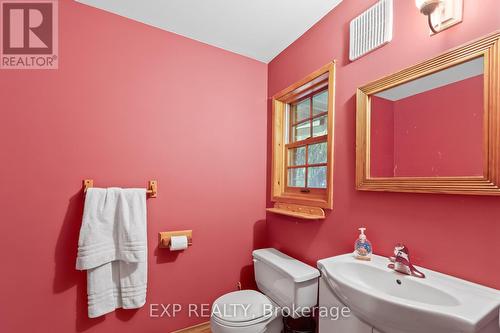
pixel 431 126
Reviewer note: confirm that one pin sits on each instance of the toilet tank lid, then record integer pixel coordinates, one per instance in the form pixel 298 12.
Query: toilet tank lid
pixel 297 270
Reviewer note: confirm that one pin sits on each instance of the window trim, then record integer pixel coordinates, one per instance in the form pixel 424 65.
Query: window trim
pixel 321 79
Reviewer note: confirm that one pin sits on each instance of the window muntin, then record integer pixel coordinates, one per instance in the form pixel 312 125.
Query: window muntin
pixel 309 116
pixel 306 162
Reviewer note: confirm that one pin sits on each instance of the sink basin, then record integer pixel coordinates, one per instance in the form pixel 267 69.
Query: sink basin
pixel 394 302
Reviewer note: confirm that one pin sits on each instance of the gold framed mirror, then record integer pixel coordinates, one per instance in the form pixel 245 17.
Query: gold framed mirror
pixel 433 127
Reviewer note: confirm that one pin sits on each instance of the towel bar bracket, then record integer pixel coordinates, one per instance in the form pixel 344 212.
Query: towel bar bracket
pixel 87 183
pixel 152 188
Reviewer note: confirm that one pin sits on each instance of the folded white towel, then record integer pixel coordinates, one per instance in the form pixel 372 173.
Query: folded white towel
pixel 113 227
pixel 113 249
pixel 116 285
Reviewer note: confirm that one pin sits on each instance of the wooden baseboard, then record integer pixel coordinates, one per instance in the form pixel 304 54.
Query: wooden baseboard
pixel 200 328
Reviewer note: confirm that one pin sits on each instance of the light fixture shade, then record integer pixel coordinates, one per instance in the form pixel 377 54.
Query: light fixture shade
pixel 426 7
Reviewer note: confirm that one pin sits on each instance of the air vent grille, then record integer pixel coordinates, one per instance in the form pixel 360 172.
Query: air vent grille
pixel 371 29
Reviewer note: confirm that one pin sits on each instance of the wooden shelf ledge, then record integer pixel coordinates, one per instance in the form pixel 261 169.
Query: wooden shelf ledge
pixel 298 211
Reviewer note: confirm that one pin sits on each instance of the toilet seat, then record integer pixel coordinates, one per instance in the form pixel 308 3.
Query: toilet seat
pixel 242 308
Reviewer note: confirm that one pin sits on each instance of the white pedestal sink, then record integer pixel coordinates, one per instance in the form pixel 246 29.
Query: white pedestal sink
pixel 382 300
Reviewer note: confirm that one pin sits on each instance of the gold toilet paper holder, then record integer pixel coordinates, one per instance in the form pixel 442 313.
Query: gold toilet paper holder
pixel 165 236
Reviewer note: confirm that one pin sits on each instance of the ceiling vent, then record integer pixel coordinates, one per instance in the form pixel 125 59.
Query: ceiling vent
pixel 371 30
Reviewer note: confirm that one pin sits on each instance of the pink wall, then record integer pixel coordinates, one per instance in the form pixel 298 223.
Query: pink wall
pixel 124 107
pixel 448 233
pixel 129 103
pixel 382 137
pixel 440 132
pixel 435 133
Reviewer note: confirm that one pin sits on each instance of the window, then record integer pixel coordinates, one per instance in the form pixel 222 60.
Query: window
pixel 306 147
pixel 303 142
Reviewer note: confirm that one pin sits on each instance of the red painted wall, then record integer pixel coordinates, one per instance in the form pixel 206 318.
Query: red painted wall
pixel 447 233
pixel 129 103
pixel 440 132
pixel 382 137
pixel 435 133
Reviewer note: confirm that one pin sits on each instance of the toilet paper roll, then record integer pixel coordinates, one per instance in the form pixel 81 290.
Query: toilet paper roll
pixel 178 243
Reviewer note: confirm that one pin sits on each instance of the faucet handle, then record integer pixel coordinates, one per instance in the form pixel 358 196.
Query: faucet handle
pixel 400 249
pixel 401 261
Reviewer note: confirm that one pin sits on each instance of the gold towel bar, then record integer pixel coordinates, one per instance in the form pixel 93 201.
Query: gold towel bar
pixel 152 190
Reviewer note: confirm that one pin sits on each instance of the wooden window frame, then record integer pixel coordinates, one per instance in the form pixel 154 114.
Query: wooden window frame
pixel 318 81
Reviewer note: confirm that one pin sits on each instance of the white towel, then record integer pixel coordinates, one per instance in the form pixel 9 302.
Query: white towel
pixel 113 249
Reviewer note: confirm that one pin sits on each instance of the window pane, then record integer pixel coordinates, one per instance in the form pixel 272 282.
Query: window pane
pixel 316 153
pixel 301 111
pixel 297 177
pixel 320 126
pixel 320 103
pixel 316 177
pixel 297 156
pixel 301 131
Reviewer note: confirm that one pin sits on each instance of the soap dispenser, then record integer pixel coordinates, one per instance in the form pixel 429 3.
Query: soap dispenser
pixel 362 246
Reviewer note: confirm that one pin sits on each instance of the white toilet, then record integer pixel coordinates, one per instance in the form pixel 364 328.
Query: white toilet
pixel 286 284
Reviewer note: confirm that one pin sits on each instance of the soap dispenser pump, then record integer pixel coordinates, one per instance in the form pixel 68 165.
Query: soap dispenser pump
pixel 362 246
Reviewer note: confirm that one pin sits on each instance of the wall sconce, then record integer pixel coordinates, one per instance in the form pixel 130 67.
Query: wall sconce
pixel 441 14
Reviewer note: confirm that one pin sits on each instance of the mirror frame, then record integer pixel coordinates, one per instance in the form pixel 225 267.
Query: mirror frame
pixel 489 182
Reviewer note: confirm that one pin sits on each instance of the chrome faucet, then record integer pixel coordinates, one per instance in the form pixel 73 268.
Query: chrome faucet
pixel 401 262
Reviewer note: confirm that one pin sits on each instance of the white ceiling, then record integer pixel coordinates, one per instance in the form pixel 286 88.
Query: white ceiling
pixel 259 29
pixel 442 78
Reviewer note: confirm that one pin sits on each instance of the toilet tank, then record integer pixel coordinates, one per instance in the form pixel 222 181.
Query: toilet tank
pixel 290 283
